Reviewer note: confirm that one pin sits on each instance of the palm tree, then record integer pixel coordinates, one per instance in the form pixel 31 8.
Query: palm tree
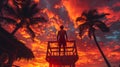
pixel 91 20
pixel 15 49
pixel 25 11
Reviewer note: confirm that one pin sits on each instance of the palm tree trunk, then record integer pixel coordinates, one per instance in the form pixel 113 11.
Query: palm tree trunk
pixel 107 62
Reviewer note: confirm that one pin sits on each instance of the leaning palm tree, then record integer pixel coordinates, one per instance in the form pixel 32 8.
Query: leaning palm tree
pixel 14 49
pixel 91 20
pixel 25 11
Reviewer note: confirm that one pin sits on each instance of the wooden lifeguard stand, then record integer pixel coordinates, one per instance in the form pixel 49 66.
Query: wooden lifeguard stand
pixel 66 59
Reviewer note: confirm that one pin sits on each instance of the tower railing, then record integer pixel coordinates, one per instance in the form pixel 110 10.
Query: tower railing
pixel 66 57
pixel 53 49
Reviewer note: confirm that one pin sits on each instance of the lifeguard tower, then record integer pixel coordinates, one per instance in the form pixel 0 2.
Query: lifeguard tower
pixel 66 59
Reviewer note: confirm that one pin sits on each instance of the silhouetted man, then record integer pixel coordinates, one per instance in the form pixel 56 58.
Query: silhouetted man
pixel 61 38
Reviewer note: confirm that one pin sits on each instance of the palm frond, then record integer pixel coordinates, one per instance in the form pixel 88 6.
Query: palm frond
pixel 38 19
pixel 26 3
pixel 33 6
pixel 90 32
pixel 34 9
pixel 1 13
pixel 79 19
pixel 30 31
pixel 17 27
pixel 10 10
pixel 102 26
pixel 3 3
pixel 24 52
pixel 82 29
pixel 22 2
pixel 11 45
pixel 15 2
pixel 98 16
pixel 9 20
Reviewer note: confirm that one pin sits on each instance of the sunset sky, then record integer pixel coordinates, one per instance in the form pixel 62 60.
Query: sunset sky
pixel 65 12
